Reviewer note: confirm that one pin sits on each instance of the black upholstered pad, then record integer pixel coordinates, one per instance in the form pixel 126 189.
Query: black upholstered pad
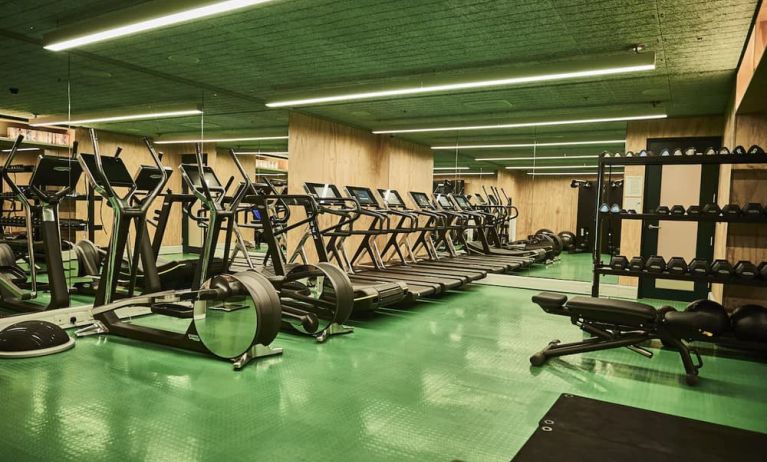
pixel 612 311
pixel 551 302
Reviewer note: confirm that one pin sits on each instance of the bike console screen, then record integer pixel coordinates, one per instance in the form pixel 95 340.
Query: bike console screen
pixel 363 195
pixel 391 197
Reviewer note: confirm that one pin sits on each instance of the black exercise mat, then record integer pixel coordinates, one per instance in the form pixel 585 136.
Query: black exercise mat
pixel 582 429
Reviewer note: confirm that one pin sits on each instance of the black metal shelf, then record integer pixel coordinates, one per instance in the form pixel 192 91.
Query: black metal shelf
pixel 682 277
pixel 702 217
pixel 716 159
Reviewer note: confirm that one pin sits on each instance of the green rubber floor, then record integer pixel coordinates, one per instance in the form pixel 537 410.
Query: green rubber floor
pixel 571 267
pixel 443 380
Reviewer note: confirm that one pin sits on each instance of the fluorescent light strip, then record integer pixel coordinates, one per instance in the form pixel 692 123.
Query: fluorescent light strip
pixel 271 174
pixel 464 85
pixel 22 149
pixel 451 168
pixel 491 159
pixel 571 174
pixel 155 23
pixel 528 145
pixel 148 115
pixel 523 125
pixel 464 173
pixel 279 155
pixel 549 167
pixel 222 140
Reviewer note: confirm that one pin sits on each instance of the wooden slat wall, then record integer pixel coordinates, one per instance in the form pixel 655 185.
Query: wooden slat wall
pixel 637 134
pixel 323 151
pixel 543 202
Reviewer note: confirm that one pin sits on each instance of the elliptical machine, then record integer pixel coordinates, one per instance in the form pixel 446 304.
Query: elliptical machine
pixel 233 317
pixel 316 299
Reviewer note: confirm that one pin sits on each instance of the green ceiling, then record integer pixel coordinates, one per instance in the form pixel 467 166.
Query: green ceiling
pixel 235 62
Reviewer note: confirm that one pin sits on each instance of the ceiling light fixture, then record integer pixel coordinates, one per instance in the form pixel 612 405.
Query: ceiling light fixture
pixel 277 155
pixel 464 173
pixel 451 168
pixel 494 78
pixel 527 145
pixel 573 174
pixel 549 167
pixel 22 149
pixel 145 17
pixel 64 120
pixel 523 124
pixel 491 159
pixel 222 140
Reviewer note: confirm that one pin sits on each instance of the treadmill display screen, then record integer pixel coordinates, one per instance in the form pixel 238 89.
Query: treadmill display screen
pixel 323 191
pixel 391 197
pixel 148 177
pixel 193 172
pixel 480 199
pixel 55 172
pixel 363 195
pixel 421 199
pixel 444 202
pixel 462 202
pixel 114 169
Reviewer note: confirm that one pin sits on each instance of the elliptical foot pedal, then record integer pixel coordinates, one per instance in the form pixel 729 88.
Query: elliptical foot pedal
pixel 97 328
pixel 173 310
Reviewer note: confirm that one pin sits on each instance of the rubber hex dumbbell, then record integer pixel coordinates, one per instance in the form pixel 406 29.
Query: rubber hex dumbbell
pixel 753 210
pixel 699 267
pixel 677 210
pixel 637 264
pixel 711 210
pixel 731 210
pixel 722 269
pixel 665 152
pixel 619 263
pixel 744 269
pixel 739 150
pixel 662 210
pixel 694 210
pixel 655 264
pixel 677 265
pixel 755 149
pixel 762 269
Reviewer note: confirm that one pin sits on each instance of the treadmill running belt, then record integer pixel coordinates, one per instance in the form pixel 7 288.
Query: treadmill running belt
pixel 582 429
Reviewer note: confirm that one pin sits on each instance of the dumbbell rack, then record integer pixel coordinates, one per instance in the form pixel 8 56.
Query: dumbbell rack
pixel 605 168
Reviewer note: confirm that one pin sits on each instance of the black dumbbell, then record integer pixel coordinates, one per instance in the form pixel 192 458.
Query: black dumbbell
pixel 676 265
pixel 740 150
pixel 694 210
pixel 677 210
pixel 690 151
pixel 662 210
pixel 762 270
pixel 745 269
pixel 755 149
pixel 699 267
pixel 731 210
pixel 665 152
pixel 721 268
pixel 710 151
pixel 604 208
pixel 619 262
pixel 711 209
pixel 615 208
pixel 636 264
pixel 655 264
pixel 753 210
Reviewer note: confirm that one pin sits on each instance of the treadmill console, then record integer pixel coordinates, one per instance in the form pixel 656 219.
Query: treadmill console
pixel 323 191
pixel 193 173
pixel 444 202
pixel 114 169
pixel 480 199
pixel 148 177
pixel 363 195
pixel 422 200
pixel 462 202
pixel 54 171
pixel 391 198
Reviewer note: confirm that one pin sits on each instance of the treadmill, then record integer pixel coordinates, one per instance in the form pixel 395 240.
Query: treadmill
pixel 336 246
pixel 449 278
pixel 433 224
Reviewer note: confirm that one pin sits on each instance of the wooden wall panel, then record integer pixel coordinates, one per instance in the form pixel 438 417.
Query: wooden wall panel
pixel 324 151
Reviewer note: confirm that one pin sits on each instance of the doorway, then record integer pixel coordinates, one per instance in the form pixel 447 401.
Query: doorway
pixel 678 185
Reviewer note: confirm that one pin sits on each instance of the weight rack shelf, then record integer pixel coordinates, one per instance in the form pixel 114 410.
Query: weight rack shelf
pixel 605 170
pixel 717 159
pixel 681 277
pixel 710 218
